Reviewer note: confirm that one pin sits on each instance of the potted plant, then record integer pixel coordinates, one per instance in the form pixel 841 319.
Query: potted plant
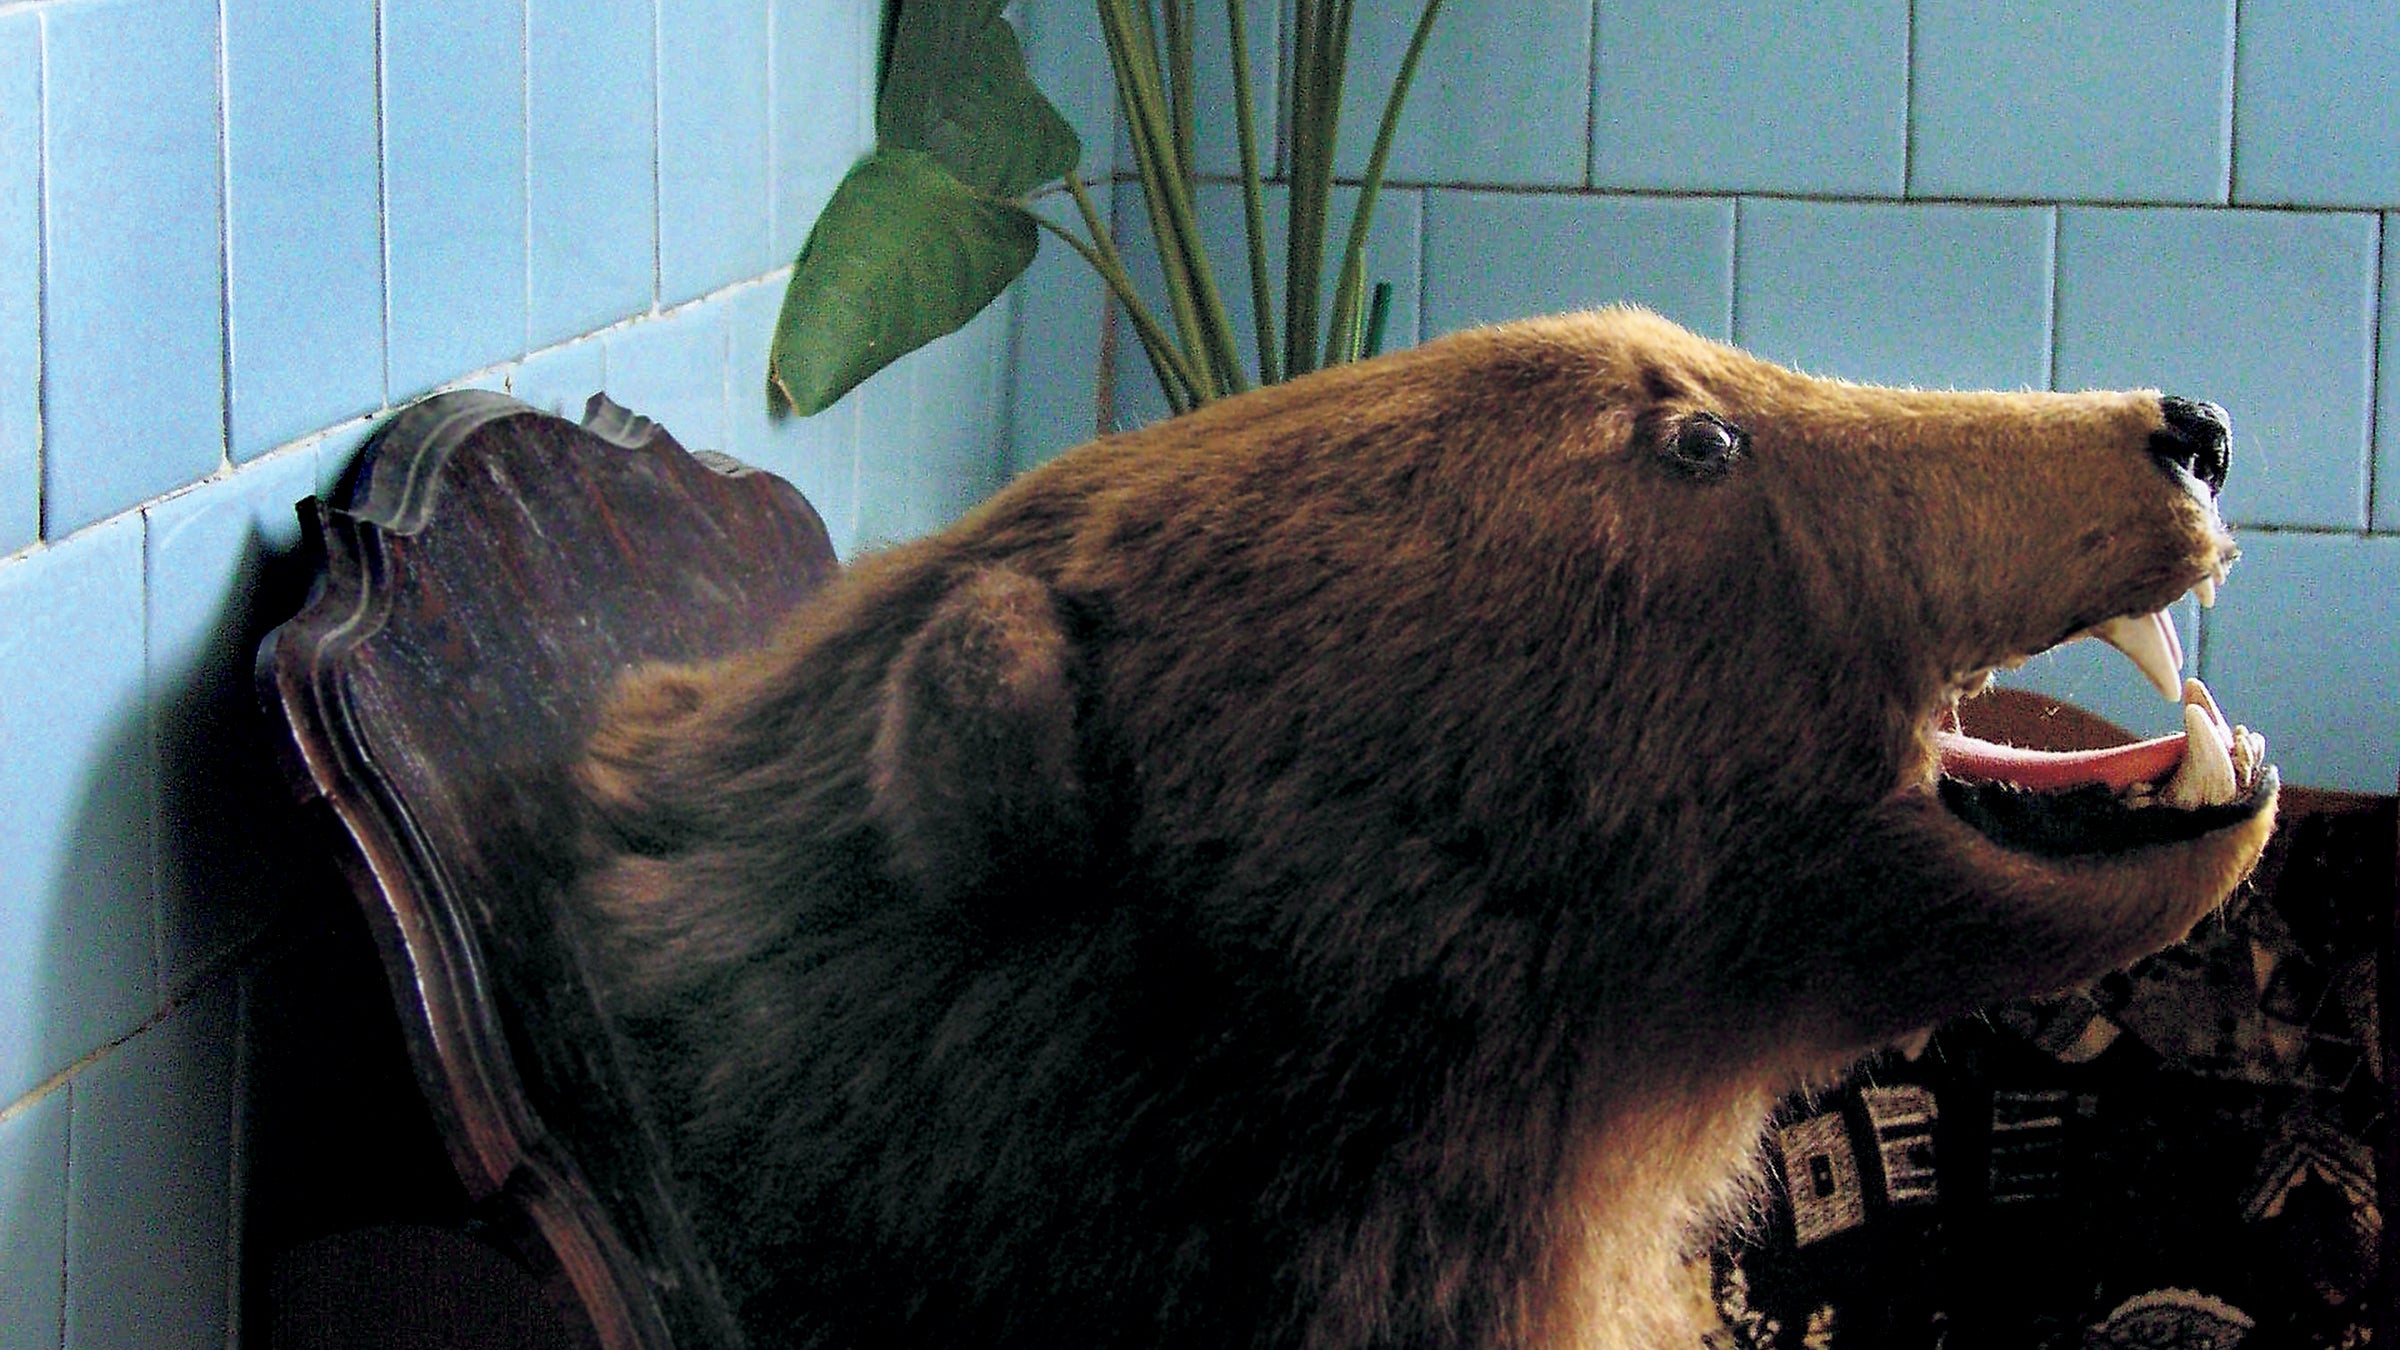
pixel 933 223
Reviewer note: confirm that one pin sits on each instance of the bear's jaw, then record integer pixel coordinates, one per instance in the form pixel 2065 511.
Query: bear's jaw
pixel 2161 790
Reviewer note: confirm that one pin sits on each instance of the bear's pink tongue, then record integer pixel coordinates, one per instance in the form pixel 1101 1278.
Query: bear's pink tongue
pixel 2118 766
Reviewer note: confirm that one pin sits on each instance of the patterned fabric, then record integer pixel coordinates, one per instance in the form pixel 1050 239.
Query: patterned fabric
pixel 2182 1156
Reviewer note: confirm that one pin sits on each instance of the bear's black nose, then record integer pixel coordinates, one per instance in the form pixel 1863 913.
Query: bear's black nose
pixel 2197 438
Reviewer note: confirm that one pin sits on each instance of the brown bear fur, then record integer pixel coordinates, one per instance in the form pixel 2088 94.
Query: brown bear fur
pixel 1354 865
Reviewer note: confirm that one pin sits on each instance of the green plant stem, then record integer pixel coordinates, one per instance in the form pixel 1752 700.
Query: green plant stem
pixel 1362 218
pixel 1345 341
pixel 1135 58
pixel 1379 313
pixel 1199 307
pixel 1175 377
pixel 1177 17
pixel 1320 56
pixel 1254 210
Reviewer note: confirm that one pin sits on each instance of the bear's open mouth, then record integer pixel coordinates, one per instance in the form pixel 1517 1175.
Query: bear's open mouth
pixel 2163 790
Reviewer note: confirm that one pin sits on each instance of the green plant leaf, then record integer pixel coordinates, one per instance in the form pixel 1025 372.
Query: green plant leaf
pixel 903 254
pixel 957 89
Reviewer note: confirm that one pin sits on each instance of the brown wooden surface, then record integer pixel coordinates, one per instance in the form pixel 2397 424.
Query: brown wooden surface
pixel 485 581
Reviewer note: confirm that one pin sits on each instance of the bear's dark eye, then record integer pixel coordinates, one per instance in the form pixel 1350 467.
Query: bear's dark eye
pixel 1705 446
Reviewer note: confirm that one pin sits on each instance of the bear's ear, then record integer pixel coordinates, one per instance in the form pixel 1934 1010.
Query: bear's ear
pixel 976 775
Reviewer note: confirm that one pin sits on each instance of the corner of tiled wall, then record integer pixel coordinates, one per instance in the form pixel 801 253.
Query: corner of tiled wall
pixel 233 236
pixel 2189 195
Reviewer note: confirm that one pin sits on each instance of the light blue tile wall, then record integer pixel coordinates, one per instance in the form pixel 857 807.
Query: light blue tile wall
pixel 454 187
pixel 232 236
pixel 2387 385
pixel 20 279
pixel 1465 122
pixel 2077 100
pixel 818 455
pixel 673 371
pixel 564 378
pixel 590 142
pixel 304 224
pixel 2194 195
pixel 824 114
pixel 1752 96
pixel 150 1187
pixel 133 342
pixel 1053 401
pixel 2317 103
pixel 1938 296
pixel 932 432
pixel 33 1225
pixel 216 841
pixel 1494 256
pixel 715 213
pixel 77 958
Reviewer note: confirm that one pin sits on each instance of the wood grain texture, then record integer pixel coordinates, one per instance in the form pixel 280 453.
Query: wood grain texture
pixel 489 575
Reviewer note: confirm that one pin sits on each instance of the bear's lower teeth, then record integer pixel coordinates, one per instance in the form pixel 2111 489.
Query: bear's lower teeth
pixel 2220 761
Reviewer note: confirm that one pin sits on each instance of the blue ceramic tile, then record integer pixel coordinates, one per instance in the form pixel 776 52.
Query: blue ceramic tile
pixel 672 371
pixel 2304 646
pixel 33 1225
pixel 964 458
pixel 134 351
pixel 337 452
pixel 715 212
pixel 2098 678
pixel 454 169
pixel 892 475
pixel 2387 393
pixel 1502 95
pixel 817 454
pixel 824 107
pixel 150 1187
pixel 2081 100
pixel 75 908
pixel 2267 313
pixel 1490 257
pixel 589 155
pixel 1394 251
pixel 563 379
pixel 1069 59
pixel 20 280
pixel 304 236
pixel 928 441
pixel 1054 373
pixel 222 570
pixel 1753 95
pixel 492 379
pixel 1934 296
pixel 2316 109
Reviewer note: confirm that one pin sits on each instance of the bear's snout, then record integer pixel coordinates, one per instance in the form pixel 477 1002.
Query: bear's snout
pixel 2197 439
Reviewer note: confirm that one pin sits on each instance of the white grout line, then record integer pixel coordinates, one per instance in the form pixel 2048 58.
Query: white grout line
pixel 2376 373
pixel 2233 95
pixel 525 146
pixel 2050 310
pixel 383 190
pixel 224 65
pixel 658 206
pixel 41 280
